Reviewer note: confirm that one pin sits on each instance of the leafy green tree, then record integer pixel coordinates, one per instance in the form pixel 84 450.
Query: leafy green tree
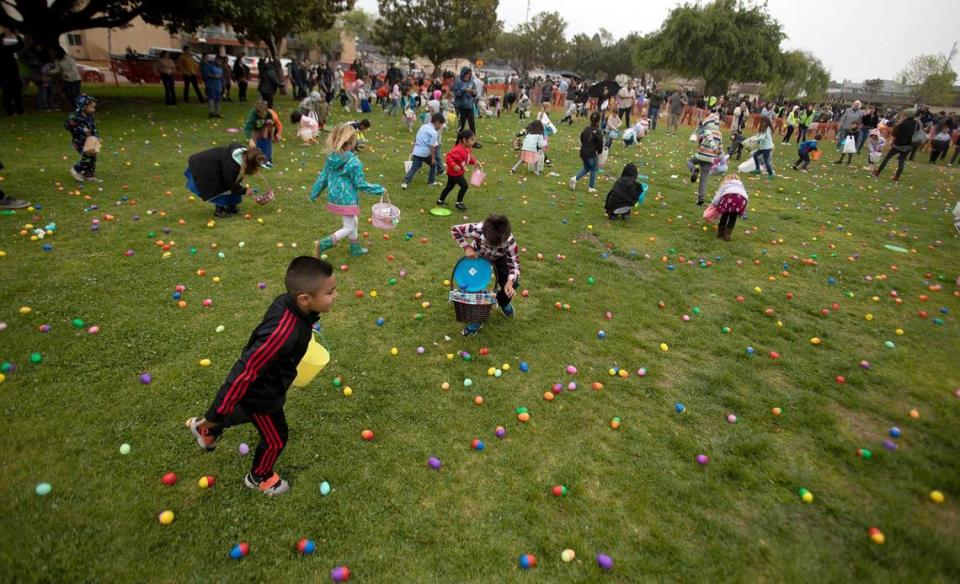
pixel 542 41
pixel 271 21
pixel 800 75
pixel 355 23
pixel 45 20
pixel 437 29
pixel 724 41
pixel 873 86
pixel 931 78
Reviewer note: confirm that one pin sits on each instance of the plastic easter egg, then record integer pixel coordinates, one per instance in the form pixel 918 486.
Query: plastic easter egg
pixel 732 419
pixel 876 536
pixel 571 370
pixel 347 391
pixel 324 488
pixel 367 435
pixel 169 479
pixel 615 423
pixel 679 407
pixel 915 414
pixel 340 574
pixel 380 322
pixel 243 449
pixel 559 490
pixel 864 453
pixel 204 362
pixel 206 482
pixel 664 347
pixel 146 378
pixel 467 382
pixel 703 459
pixel 477 444
pixel 523 417
pixel 568 555
pixel 527 561
pixel 604 562
pixel 394 351
pixel 601 334
pixel 434 463
pixel 43 489
pixel 806 496
pixel 776 411
pixel 165 518
pixel 93 330
pixel 240 550
pixel 500 432
pixel 815 341
pixel 936 497
pixel 36 358
pixel 642 372
pixel 124 449
pixel 306 546
pixel 895 432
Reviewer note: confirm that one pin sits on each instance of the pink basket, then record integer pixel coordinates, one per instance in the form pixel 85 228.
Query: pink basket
pixel 266 196
pixel 385 215
pixel 476 178
pixel 711 213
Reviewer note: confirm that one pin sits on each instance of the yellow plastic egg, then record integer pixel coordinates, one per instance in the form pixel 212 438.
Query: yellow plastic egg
pixel 373 294
pixel 505 367
pixel 25 310
pixel 166 518
pixel 347 391
pixel 868 316
pixel 664 347
pixel 899 331
pixel 394 351
pixel 204 362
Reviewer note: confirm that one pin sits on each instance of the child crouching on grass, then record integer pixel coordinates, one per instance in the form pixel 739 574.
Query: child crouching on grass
pixel 803 152
pixel 731 202
pixel 343 176
pixel 625 194
pixel 256 387
pixel 492 240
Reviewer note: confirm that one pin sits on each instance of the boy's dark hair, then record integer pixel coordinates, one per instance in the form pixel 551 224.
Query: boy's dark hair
pixel 818 137
pixel 295 117
pixel 305 274
pixel 437 119
pixel 464 135
pixel 595 119
pixel 496 229
pixel 364 124
pixel 535 127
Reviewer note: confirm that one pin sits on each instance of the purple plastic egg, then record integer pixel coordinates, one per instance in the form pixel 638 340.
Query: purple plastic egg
pixel 243 449
pixel 434 463
pixel 146 378
pixel 605 562
pixel 702 459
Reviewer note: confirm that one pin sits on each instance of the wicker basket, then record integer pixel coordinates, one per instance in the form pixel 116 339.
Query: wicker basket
pixel 471 306
pixel 266 196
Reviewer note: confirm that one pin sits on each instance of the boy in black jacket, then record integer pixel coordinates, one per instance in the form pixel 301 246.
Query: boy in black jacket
pixel 256 388
pixel 626 193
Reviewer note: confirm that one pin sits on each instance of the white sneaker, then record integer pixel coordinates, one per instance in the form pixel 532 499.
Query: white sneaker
pixel 403 186
pixel 271 486
pixel 591 190
pixel 572 183
pixel 76 175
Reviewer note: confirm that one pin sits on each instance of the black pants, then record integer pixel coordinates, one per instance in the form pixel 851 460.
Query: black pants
pixel 625 111
pixel 272 428
pixel 913 150
pixel 900 161
pixel 936 152
pixel 71 91
pixel 12 95
pixel 169 91
pixel 727 221
pixel 502 270
pixel 802 133
pixel 849 158
pixel 804 158
pixel 189 80
pixel 267 97
pixel 956 152
pixel 242 89
pixel 455 181
pixel 466 118
pixel 786 139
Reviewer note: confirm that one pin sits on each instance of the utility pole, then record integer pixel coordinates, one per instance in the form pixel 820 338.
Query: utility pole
pixel 528 19
pixel 946 65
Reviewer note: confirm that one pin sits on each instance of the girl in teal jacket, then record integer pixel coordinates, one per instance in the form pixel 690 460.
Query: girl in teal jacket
pixel 342 177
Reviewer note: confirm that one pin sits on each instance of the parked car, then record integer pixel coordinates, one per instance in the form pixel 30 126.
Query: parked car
pixel 90 74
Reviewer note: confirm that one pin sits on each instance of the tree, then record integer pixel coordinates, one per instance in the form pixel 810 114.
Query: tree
pixel 931 78
pixel 873 86
pixel 800 75
pixel 727 40
pixel 542 41
pixel 45 20
pixel 355 23
pixel 436 29
pixel 271 21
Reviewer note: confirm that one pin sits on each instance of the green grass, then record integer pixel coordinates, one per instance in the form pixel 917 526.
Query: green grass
pixel 636 493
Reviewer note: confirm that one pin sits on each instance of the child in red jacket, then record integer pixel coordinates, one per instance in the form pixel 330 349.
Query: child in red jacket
pixel 457 160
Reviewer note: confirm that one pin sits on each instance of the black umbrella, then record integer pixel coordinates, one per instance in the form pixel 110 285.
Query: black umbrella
pixel 604 89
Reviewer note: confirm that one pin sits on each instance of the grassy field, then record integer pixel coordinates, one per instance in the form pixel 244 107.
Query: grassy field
pixel 636 494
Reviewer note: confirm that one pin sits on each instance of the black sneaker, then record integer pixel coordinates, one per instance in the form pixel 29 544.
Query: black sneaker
pixel 460 206
pixel 694 174
pixel 477 145
pixel 699 201
pixel 232 209
pixel 441 203
pixel 221 212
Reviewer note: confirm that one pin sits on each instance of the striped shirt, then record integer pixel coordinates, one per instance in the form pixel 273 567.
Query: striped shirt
pixel 471 235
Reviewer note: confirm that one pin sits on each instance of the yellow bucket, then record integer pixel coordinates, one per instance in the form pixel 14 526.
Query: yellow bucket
pixel 313 362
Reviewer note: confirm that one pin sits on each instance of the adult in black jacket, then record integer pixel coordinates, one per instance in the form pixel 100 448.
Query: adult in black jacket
pixel 902 142
pixel 653 108
pixel 270 81
pixel 624 194
pixel 10 83
pixel 216 175
pixel 591 145
pixel 241 74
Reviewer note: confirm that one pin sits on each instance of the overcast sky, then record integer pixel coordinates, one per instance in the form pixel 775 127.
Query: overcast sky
pixel 855 39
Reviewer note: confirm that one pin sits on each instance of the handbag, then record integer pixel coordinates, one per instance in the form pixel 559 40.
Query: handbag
pixel 407 165
pixel 849 145
pixel 602 159
pixel 748 165
pixel 91 145
pixel 919 135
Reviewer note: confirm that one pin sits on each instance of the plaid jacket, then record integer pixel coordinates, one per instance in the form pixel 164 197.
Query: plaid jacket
pixel 464 233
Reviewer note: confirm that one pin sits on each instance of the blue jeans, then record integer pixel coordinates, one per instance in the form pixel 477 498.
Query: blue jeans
pixel 265 145
pixel 590 167
pixel 419 161
pixel 764 157
pixel 653 113
pixel 226 200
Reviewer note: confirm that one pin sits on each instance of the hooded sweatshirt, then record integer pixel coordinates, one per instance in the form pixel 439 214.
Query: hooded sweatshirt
pixel 463 100
pixel 625 192
pixel 343 176
pixel 79 124
pixel 710 140
pixel 459 156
